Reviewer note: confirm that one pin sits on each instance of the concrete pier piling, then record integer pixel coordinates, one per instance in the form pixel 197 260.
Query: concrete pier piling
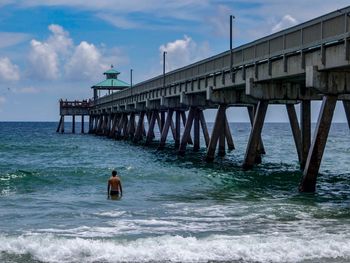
pixel 305 63
pixel 313 162
pixel 255 136
pixel 294 124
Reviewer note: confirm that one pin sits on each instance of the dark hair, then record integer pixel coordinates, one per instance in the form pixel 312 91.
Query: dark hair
pixel 114 172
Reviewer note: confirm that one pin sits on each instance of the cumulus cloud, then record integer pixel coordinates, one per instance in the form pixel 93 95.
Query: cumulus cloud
pixel 8 70
pixel 182 52
pixel 44 56
pixel 85 62
pixel 44 60
pixel 58 57
pixel 59 40
pixel 89 61
pixel 286 21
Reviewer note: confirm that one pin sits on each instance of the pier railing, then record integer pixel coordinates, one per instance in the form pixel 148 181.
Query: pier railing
pixel 75 104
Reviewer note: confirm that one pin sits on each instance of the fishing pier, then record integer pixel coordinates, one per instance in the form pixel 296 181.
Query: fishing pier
pixel 304 63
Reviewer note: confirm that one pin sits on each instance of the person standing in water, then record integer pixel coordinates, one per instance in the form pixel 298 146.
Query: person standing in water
pixel 114 189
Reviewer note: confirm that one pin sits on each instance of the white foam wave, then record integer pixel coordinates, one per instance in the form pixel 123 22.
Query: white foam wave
pixel 256 248
pixel 111 214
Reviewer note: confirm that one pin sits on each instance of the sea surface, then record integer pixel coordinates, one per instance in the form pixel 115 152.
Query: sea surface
pixel 54 207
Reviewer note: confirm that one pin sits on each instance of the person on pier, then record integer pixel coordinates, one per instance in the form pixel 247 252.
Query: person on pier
pixel 114 189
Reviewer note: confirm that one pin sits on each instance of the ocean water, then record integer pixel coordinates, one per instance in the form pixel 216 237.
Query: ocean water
pixel 54 207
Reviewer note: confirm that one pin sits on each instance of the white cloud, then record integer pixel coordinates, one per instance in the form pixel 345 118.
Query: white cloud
pixel 85 62
pixel 286 21
pixel 182 52
pixel 88 61
pixel 8 70
pixel 59 40
pixel 44 60
pixel 58 57
pixel 44 56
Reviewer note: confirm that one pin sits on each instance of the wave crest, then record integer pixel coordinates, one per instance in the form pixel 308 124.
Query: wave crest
pixel 251 248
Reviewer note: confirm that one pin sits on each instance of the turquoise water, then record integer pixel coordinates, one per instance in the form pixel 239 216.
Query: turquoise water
pixel 54 207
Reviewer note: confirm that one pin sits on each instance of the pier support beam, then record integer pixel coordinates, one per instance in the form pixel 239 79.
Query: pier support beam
pixel 313 162
pixel 114 125
pixel 100 124
pixel 120 125
pixel 261 148
pixel 108 126
pixel 97 123
pixel 255 135
pixel 140 127
pixel 228 135
pixel 294 124
pixel 196 133
pixel 305 118
pixel 187 131
pixel 222 145
pixel 103 123
pixel 177 128
pixel 150 133
pixel 165 130
pixel 217 131
pixel 204 128
pixel 91 121
pixel 94 124
pixel 131 126
pixel 149 117
pixel 125 127
pixel 62 124
pixel 73 123
pixel 162 121
pixel 82 123
pixel 172 128
pixel 184 121
pixel 346 105
pixel 59 124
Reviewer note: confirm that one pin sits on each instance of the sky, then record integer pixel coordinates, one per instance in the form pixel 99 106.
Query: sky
pixel 52 49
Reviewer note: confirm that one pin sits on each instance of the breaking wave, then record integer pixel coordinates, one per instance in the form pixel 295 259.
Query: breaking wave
pixel 221 248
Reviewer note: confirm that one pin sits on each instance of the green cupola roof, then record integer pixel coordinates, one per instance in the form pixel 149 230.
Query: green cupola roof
pixel 111 82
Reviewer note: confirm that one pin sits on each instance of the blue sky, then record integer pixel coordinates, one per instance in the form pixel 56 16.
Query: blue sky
pixel 52 49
